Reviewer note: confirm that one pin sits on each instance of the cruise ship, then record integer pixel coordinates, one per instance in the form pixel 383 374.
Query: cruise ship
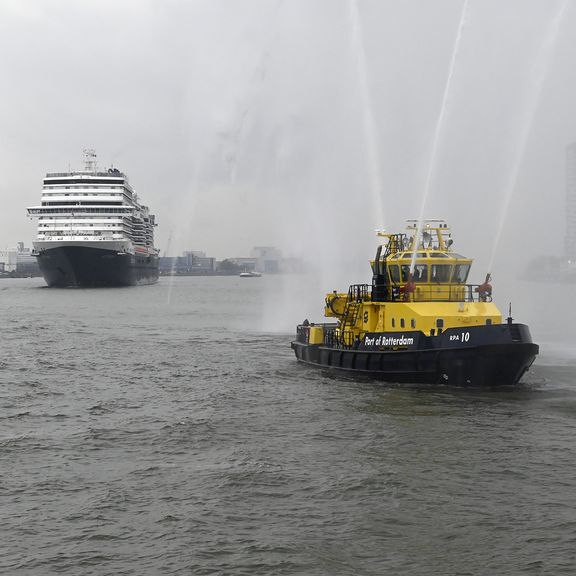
pixel 92 230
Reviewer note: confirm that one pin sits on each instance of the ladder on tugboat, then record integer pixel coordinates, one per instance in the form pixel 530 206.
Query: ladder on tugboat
pixel 348 321
pixel 351 311
pixel 350 315
pixel 357 293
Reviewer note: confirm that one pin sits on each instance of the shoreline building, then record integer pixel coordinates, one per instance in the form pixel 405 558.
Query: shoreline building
pixel 18 262
pixel 268 259
pixel 192 262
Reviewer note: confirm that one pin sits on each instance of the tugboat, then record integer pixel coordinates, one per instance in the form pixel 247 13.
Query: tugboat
pixel 419 321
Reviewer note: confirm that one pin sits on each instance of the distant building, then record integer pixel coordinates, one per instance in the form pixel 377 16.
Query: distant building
pixel 570 240
pixel 190 263
pixel 198 263
pixel 268 259
pixel 18 262
pixel 8 259
pixel 244 264
pixel 264 259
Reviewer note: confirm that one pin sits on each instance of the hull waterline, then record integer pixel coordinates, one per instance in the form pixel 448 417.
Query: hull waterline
pixel 497 359
pixel 77 266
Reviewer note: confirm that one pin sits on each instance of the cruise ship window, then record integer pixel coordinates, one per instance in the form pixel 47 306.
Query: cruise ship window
pixel 401 322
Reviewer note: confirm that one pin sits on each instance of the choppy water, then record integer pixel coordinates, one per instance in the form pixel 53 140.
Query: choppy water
pixel 145 436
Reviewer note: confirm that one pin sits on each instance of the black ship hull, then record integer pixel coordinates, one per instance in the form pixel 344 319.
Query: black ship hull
pixel 495 355
pixel 88 267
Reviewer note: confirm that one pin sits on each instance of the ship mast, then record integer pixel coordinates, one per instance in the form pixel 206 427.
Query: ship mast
pixel 89 160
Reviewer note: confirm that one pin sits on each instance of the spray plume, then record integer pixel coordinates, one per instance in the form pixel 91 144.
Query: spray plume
pixel 437 131
pixel 530 105
pixel 367 113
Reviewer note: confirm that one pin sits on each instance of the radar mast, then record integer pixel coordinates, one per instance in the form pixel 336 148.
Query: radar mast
pixel 89 160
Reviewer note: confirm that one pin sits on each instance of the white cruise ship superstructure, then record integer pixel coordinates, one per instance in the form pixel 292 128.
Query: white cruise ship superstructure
pixel 92 230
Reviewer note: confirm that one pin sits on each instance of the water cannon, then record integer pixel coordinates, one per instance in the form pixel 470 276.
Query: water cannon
pixel 485 289
pixel 409 287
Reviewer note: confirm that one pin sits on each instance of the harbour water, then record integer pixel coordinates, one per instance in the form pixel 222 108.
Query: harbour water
pixel 147 435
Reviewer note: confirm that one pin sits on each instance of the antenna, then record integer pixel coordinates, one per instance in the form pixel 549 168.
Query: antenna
pixel 89 160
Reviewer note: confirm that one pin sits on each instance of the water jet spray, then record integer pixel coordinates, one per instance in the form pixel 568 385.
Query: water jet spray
pixel 531 104
pixel 437 131
pixel 367 110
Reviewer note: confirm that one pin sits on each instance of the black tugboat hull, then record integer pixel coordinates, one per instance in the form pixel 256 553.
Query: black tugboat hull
pixel 486 364
pixel 88 267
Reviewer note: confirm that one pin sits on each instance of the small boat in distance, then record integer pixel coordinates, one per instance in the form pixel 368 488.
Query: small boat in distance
pixel 93 231
pixel 419 321
pixel 251 274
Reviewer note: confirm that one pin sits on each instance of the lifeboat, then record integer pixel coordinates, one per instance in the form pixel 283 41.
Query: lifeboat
pixel 419 321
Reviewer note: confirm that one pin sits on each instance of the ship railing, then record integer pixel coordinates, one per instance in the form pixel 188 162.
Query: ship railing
pixel 333 337
pixel 359 293
pixel 79 210
pixel 85 173
pixel 337 338
pixel 303 333
pixel 77 237
pixel 396 243
pixel 347 338
pixel 441 293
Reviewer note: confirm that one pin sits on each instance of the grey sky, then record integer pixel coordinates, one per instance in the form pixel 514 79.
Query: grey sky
pixel 240 122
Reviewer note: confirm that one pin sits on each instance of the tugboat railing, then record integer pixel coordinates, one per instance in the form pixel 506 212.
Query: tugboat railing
pixel 358 293
pixel 303 333
pixel 447 293
pixel 439 293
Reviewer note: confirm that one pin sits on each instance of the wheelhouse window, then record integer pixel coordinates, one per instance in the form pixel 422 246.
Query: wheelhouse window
pixel 460 274
pixel 421 273
pixel 440 273
pixel 405 272
pixel 394 273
